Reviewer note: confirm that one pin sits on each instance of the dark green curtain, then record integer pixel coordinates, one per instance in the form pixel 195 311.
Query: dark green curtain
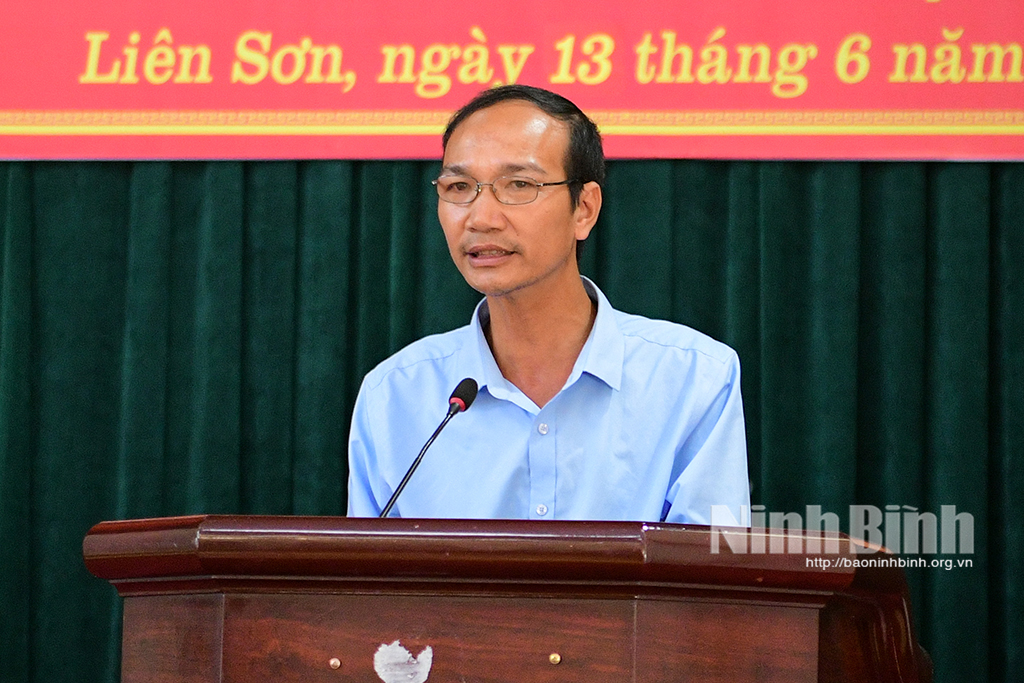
pixel 189 337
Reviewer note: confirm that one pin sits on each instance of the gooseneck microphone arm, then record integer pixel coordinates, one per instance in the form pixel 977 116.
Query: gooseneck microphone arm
pixel 459 401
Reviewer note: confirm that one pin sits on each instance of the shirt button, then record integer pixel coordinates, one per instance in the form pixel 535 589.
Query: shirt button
pixel 542 509
pixel 543 429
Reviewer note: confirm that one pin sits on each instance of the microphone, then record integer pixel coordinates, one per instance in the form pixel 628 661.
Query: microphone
pixel 460 400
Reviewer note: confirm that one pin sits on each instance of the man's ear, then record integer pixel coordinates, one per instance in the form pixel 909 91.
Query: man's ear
pixel 587 209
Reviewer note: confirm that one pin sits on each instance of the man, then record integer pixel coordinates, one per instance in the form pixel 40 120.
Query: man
pixel 583 412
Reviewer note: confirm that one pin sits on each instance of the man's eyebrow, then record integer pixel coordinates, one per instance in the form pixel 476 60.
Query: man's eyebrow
pixel 516 168
pixel 507 169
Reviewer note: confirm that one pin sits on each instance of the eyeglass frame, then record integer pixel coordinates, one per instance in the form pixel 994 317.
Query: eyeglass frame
pixel 480 186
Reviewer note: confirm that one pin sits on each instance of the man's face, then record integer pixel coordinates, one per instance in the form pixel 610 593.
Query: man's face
pixel 502 249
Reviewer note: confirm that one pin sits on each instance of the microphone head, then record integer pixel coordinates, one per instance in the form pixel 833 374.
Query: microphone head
pixel 463 396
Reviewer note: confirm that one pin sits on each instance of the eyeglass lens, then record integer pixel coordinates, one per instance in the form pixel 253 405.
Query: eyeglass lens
pixel 508 190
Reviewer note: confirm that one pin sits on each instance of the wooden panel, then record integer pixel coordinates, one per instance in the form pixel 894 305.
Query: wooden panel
pixel 172 639
pixel 711 642
pixel 483 640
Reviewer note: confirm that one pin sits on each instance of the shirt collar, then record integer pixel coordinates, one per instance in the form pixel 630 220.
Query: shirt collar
pixel 602 354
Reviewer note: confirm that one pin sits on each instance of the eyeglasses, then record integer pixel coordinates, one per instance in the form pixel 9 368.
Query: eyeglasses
pixel 513 190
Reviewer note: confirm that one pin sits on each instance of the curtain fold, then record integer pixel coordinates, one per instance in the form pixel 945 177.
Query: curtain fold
pixel 809 232
pixel 956 381
pixel 181 337
pixel 17 431
pixel 324 377
pixel 1006 415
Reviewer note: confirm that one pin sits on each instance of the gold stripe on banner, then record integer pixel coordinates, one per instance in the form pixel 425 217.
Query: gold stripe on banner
pixel 812 123
pixel 377 123
pixel 250 123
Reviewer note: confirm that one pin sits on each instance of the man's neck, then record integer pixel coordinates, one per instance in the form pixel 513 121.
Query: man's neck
pixel 537 334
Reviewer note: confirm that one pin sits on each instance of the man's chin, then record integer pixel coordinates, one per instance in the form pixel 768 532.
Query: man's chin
pixel 504 282
pixel 499 287
pixel 488 284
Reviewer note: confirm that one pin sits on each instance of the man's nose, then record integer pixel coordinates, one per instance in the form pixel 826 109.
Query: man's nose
pixel 486 212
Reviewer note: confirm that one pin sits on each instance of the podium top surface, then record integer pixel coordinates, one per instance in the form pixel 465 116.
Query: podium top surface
pixel 325 548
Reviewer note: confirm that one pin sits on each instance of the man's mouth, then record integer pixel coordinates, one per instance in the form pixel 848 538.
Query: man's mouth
pixel 487 252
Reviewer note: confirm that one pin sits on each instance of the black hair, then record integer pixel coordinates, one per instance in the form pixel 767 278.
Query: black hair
pixel 584 158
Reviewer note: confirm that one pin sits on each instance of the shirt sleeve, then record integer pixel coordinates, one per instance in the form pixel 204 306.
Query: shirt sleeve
pixel 362 461
pixel 715 456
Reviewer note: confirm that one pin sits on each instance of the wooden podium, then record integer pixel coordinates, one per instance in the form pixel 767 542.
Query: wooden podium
pixel 241 599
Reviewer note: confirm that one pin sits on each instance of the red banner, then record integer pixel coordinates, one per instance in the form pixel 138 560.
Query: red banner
pixel 790 79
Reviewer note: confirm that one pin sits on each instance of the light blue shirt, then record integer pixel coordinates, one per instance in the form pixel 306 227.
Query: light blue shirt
pixel 648 427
